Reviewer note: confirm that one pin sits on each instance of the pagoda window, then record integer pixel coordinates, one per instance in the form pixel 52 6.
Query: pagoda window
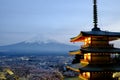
pixel 86 74
pixel 87 57
pixel 87 40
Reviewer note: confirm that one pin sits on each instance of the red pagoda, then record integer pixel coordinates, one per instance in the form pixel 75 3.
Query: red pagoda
pixel 94 59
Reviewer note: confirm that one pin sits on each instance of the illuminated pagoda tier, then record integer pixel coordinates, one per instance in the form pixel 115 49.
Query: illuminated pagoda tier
pixel 94 60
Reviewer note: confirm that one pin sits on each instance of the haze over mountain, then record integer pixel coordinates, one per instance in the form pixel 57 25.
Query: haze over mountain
pixel 45 47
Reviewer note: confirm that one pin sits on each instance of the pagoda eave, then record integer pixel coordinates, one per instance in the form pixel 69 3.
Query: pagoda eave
pixel 100 33
pixel 111 35
pixel 100 50
pixel 77 39
pixel 73 69
pixel 110 68
pixel 75 52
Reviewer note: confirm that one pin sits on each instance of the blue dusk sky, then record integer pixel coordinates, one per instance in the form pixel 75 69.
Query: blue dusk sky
pixel 24 20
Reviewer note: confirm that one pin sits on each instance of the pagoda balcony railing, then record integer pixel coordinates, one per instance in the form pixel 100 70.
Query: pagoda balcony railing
pixel 98 45
pixel 84 61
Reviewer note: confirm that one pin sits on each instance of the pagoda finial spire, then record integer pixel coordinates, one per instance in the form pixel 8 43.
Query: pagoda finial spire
pixel 95 19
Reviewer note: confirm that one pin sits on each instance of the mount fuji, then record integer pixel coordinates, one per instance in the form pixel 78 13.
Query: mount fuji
pixel 46 47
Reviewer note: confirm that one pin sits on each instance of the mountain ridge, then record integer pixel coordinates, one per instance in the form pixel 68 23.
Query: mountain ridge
pixel 50 47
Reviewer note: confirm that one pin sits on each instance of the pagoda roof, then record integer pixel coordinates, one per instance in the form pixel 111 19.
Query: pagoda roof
pixel 75 52
pixel 94 67
pixel 95 50
pixel 83 34
pixel 100 50
pixel 100 68
pixel 75 67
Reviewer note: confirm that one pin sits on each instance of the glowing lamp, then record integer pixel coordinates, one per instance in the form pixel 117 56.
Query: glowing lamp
pixel 88 74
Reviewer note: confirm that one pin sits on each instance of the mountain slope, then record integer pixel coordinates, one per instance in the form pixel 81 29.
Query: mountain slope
pixel 38 48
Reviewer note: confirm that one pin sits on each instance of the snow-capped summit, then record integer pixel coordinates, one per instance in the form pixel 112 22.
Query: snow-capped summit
pixel 40 45
pixel 40 39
